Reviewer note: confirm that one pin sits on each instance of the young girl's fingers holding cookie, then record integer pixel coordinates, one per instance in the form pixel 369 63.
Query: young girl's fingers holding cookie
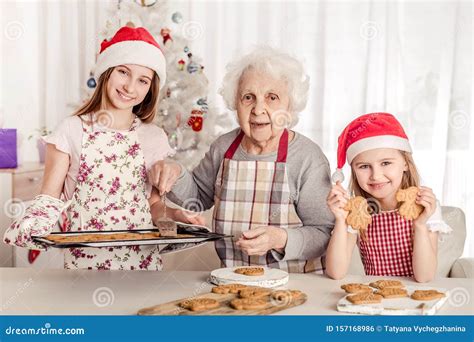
pixel 426 198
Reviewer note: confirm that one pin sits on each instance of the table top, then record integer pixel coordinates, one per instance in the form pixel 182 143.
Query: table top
pixel 28 291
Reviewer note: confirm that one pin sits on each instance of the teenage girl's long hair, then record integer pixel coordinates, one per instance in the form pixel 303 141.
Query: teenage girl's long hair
pixel 145 111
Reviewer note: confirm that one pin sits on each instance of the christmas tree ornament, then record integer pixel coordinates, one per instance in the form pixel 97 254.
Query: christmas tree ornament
pixel 146 3
pixel 165 33
pixel 196 120
pixel 186 49
pixel 192 67
pixel 91 82
pixel 177 17
pixel 202 102
pixel 175 139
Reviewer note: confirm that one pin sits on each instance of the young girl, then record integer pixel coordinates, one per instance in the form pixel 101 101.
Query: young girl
pixel 98 160
pixel 379 154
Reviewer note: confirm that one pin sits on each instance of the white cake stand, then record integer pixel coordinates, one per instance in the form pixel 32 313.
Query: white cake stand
pixel 272 277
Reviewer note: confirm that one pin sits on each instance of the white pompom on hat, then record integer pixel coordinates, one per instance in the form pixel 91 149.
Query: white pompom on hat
pixel 131 45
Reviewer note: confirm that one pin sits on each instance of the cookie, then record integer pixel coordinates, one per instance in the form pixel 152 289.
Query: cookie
pixel 250 271
pixel 286 296
pixel 392 292
pixel 409 209
pixel 199 304
pixel 426 295
pixel 358 217
pixel 382 284
pixel 254 292
pixel 355 288
pixel 228 288
pixel 365 298
pixel 249 303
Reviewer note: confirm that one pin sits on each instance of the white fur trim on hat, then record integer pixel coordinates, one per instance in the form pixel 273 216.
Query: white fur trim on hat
pixel 132 52
pixel 380 141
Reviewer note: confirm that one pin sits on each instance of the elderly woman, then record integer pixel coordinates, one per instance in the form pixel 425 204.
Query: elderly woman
pixel 268 184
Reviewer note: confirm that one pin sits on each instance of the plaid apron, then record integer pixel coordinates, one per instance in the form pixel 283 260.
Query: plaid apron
pixel 250 194
pixel 388 249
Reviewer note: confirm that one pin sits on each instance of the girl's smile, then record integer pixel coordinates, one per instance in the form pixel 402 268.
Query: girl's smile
pixel 379 172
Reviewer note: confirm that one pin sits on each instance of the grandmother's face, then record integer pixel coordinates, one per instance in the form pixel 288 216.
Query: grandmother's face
pixel 262 105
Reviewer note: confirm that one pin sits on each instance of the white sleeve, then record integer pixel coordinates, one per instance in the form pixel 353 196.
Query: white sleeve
pixel 435 222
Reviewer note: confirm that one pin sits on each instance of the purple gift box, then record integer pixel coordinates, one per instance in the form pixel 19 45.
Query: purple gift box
pixel 8 152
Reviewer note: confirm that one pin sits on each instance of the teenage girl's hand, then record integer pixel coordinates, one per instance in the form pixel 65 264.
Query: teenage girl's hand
pixel 427 199
pixel 163 174
pixel 336 201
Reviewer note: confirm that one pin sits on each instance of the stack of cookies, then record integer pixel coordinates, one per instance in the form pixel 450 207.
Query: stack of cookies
pixel 385 289
pixel 247 298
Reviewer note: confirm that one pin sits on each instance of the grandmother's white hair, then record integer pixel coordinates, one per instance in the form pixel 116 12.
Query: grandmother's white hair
pixel 275 63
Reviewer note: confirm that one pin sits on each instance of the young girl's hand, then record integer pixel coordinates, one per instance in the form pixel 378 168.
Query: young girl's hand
pixel 336 201
pixel 427 199
pixel 186 216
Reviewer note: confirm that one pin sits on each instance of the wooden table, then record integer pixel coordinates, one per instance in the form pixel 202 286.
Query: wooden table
pixel 28 291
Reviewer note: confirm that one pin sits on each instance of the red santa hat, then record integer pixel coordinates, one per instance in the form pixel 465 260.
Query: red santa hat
pixel 368 132
pixel 132 46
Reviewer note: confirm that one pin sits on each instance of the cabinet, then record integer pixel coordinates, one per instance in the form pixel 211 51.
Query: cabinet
pixel 18 187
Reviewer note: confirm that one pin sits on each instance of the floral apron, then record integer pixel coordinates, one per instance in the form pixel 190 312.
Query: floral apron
pixel 250 194
pixel 110 195
pixel 388 247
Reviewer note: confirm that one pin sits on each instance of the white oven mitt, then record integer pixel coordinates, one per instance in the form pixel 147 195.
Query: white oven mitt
pixel 39 219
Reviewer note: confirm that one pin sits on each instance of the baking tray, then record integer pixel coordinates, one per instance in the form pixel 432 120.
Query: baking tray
pixel 200 234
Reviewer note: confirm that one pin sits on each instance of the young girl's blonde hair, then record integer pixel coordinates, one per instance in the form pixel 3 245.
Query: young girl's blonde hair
pixel 145 111
pixel 410 178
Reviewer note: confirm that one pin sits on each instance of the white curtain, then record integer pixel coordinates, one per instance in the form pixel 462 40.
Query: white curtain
pixel 411 59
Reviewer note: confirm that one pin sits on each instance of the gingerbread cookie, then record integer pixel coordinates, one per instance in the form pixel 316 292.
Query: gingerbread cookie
pixel 392 292
pixel 358 217
pixel 250 271
pixel 409 209
pixel 365 298
pixel 355 288
pixel 382 284
pixel 249 303
pixel 286 296
pixel 228 288
pixel 426 295
pixel 199 304
pixel 254 292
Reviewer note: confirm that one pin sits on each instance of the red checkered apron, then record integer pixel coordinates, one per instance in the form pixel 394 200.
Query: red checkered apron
pixel 250 194
pixel 388 249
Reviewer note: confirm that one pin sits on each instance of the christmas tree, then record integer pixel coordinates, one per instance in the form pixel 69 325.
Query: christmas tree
pixel 184 113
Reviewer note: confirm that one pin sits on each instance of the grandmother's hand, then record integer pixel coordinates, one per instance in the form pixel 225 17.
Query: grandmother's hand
pixel 163 175
pixel 262 239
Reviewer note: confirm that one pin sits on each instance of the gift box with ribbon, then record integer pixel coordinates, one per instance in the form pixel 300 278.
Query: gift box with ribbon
pixel 8 148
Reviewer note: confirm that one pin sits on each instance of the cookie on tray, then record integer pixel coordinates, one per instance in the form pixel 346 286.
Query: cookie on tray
pixel 228 288
pixel 254 292
pixel 427 295
pixel 286 296
pixel 382 284
pixel 365 298
pixel 249 303
pixel 356 287
pixel 392 292
pixel 199 304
